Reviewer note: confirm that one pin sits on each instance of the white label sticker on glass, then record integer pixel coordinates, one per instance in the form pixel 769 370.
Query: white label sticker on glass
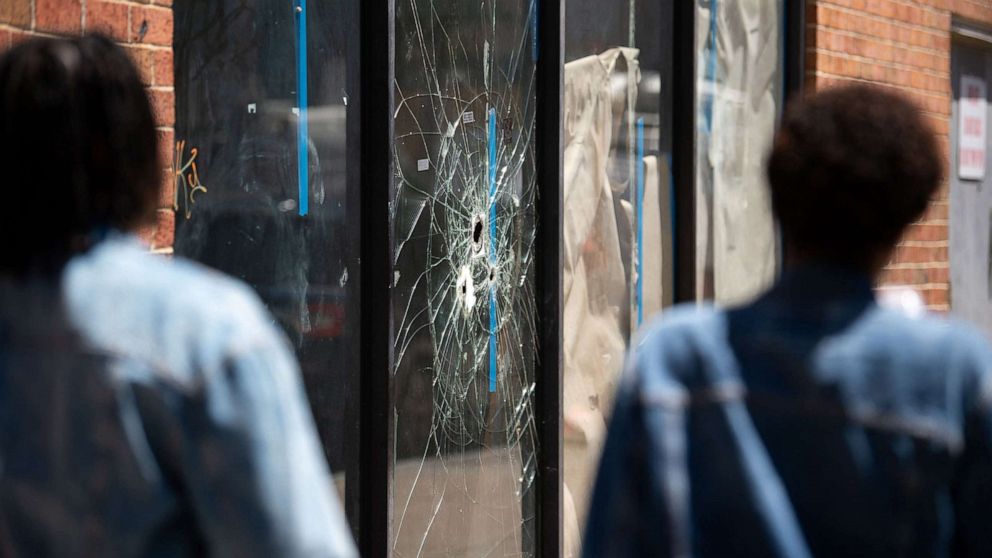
pixel 468 117
pixel 972 128
pixel 423 164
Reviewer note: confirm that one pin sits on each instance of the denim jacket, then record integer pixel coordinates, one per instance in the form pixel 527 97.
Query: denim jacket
pixel 809 423
pixel 150 408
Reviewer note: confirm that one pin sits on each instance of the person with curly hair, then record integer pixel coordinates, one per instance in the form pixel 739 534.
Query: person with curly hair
pixel 811 421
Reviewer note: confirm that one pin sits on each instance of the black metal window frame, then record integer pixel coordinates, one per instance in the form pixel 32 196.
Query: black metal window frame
pixel 370 74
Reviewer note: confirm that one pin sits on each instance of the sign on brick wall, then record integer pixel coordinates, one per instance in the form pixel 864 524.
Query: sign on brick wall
pixel 972 128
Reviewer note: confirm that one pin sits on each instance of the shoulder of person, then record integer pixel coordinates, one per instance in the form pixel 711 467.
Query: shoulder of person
pixel 942 336
pixel 960 352
pixel 667 356
pixel 180 313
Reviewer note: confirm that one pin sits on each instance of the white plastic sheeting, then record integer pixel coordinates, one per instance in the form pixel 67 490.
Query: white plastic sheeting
pixel 599 251
pixel 740 83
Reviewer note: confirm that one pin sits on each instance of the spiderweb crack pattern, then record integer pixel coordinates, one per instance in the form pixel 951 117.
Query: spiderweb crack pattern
pixel 463 241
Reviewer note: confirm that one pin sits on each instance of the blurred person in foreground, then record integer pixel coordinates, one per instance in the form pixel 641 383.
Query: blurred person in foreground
pixel 811 422
pixel 147 407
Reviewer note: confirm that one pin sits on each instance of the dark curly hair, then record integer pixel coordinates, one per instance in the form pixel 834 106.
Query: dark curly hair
pixel 850 169
pixel 78 149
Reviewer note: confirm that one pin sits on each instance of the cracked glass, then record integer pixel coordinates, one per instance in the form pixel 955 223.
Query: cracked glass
pixel 740 79
pixel 260 174
pixel 617 237
pixel 463 305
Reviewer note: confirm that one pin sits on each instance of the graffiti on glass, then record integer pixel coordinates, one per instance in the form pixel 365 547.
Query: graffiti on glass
pixel 187 179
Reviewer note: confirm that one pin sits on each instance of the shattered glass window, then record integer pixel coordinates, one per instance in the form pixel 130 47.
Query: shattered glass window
pixel 463 302
pixel 617 237
pixel 740 79
pixel 259 173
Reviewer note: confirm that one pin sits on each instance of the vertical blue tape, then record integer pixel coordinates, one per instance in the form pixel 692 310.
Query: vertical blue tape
pixel 640 221
pixel 303 124
pixel 533 29
pixel 492 250
pixel 710 71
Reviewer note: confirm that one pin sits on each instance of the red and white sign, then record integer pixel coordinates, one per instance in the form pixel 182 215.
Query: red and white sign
pixel 972 129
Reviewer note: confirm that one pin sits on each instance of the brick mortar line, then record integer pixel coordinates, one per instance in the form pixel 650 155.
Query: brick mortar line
pixel 882 63
pixel 904 89
pixel 924 244
pixel 922 266
pixel 899 44
pixel 921 286
pixel 981 6
pixel 889 42
pixel 933 94
pixel 137 3
pixel 860 14
pixel 146 46
pixel 913 3
pixel 821 51
pixel 33 33
pixel 918 266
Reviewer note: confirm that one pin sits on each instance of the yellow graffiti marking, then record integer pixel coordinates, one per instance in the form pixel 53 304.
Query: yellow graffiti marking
pixel 187 184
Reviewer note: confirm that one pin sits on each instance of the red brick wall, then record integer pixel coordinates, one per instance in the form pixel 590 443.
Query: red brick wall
pixel 904 44
pixel 145 29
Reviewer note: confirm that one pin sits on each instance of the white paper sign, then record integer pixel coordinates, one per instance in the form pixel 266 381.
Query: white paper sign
pixel 423 165
pixel 972 128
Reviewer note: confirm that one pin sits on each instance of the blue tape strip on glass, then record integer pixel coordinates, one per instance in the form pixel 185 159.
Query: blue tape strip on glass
pixel 303 124
pixel 492 250
pixel 640 221
pixel 533 29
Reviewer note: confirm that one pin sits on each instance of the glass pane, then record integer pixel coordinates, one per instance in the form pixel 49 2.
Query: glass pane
pixel 740 82
pixel 463 307
pixel 618 269
pixel 250 113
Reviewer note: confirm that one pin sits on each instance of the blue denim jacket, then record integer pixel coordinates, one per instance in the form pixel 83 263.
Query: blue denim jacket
pixel 809 423
pixel 150 408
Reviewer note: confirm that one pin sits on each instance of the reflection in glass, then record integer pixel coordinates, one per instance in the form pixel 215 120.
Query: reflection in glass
pixel 740 86
pixel 463 308
pixel 240 81
pixel 617 216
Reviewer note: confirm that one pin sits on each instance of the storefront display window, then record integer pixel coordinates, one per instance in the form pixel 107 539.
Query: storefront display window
pixel 617 220
pixel 272 164
pixel 740 79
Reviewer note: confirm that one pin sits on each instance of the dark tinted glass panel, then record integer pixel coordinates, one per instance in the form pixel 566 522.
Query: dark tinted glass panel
pixel 260 156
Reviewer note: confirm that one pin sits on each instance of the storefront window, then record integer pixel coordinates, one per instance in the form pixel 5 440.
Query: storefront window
pixel 260 174
pixel 262 159
pixel 463 302
pixel 740 80
pixel 617 238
